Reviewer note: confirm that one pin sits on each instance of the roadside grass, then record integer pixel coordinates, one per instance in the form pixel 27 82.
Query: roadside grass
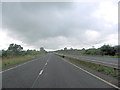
pixel 97 67
pixel 16 60
pixel 79 53
pixel 112 56
pixel 0 63
pixel 107 56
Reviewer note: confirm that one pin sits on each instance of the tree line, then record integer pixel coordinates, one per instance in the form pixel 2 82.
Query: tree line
pixel 17 50
pixel 103 50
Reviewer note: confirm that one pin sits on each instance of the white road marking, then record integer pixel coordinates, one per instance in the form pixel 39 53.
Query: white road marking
pixel 43 68
pixel 18 65
pixel 41 72
pixel 39 75
pixel 92 75
pixel 45 63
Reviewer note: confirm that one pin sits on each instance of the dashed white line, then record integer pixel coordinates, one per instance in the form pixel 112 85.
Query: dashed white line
pixel 43 67
pixel 45 63
pixel 41 72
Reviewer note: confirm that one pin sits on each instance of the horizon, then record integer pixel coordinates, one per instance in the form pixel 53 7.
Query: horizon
pixel 68 48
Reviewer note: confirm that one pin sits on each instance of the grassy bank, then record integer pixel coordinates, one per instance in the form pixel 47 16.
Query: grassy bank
pixel 107 56
pixel 97 67
pixel 16 60
pixel 79 53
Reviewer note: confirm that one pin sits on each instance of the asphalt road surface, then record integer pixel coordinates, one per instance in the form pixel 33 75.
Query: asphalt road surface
pixel 49 71
pixel 105 60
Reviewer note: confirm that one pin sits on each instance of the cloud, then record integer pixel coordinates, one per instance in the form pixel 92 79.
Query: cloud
pixel 107 10
pixel 92 35
pixel 57 25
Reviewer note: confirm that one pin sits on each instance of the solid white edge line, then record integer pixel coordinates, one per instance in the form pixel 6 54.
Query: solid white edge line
pixel 93 75
pixel 18 65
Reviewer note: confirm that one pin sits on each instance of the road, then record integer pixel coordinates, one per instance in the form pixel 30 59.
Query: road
pixel 50 71
pixel 104 60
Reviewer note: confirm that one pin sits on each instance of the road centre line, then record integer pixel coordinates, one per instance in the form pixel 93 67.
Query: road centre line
pixel 92 74
pixel 41 72
pixel 45 63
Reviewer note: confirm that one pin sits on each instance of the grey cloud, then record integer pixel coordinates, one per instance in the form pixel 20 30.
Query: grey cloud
pixel 43 23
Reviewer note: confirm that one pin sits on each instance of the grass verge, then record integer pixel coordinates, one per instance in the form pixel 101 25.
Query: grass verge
pixel 16 60
pixel 106 56
pixel 80 54
pixel 100 68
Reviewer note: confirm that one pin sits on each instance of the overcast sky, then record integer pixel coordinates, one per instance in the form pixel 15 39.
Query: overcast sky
pixel 55 25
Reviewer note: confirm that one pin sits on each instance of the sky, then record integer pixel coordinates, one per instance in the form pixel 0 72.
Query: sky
pixel 55 25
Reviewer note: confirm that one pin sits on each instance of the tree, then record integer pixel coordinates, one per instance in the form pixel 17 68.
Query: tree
pixel 42 50
pixel 4 53
pixel 71 49
pixel 15 48
pixel 83 49
pixel 107 50
pixel 117 50
pixel 65 49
